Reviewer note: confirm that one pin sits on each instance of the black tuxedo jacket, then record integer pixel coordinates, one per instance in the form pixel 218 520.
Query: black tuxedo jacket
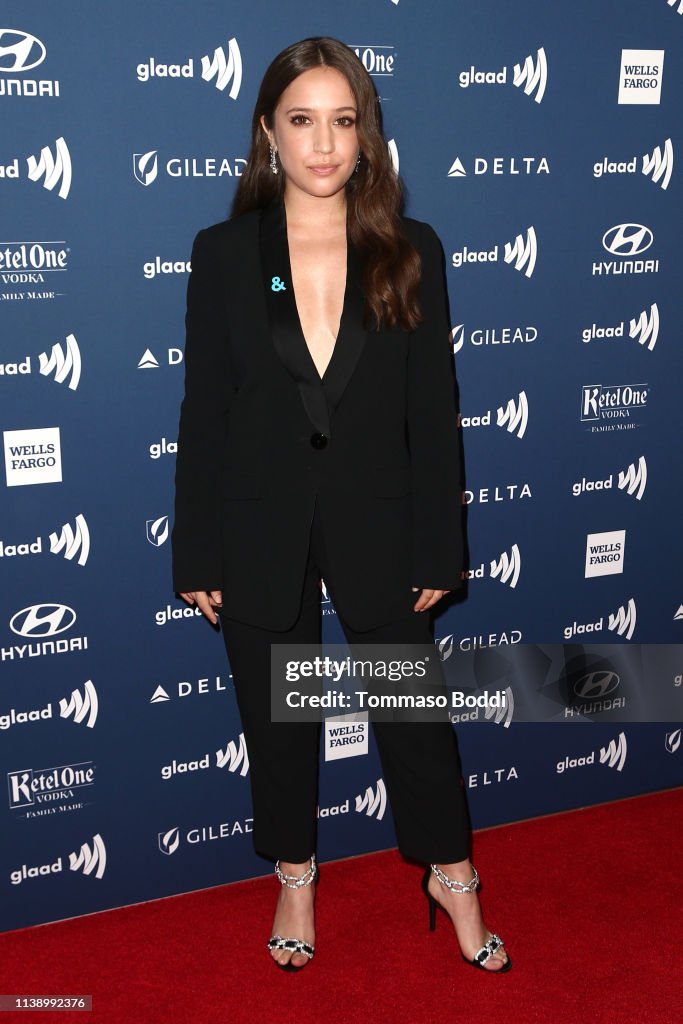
pixel 262 436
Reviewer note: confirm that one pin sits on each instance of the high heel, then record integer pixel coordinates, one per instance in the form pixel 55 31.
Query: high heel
pixel 491 945
pixel 282 941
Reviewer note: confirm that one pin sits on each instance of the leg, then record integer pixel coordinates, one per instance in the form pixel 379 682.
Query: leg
pixel 283 759
pixel 422 769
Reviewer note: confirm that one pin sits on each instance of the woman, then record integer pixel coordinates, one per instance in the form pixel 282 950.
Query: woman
pixel 318 439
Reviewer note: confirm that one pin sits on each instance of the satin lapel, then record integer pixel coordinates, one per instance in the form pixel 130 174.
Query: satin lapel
pixel 320 396
pixel 288 340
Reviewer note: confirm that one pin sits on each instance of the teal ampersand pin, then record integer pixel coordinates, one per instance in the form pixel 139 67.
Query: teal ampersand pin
pixel 277 285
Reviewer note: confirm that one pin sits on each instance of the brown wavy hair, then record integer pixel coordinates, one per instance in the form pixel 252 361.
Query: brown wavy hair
pixel 374 194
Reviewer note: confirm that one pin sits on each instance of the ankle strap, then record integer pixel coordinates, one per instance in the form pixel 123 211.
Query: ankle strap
pixel 453 884
pixel 296 881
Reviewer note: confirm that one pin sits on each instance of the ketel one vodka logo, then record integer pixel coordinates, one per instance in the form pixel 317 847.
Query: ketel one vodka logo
pixel 223 67
pixel 606 405
pixel 531 76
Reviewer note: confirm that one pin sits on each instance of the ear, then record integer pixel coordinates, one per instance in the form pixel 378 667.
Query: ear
pixel 262 121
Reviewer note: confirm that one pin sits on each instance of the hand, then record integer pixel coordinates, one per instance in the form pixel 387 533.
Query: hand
pixel 427 598
pixel 206 602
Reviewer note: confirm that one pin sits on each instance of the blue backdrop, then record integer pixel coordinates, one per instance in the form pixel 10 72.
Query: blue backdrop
pixel 540 141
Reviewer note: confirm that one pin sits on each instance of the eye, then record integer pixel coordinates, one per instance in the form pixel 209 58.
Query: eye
pixel 298 118
pixel 350 121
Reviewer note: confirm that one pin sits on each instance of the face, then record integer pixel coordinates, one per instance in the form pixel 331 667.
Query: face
pixel 314 132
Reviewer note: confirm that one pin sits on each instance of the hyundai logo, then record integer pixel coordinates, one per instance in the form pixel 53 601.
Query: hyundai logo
pixel 42 620
pixel 20 51
pixel 596 685
pixel 627 239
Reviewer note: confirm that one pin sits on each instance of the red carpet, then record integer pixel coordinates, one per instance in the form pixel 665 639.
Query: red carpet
pixel 588 903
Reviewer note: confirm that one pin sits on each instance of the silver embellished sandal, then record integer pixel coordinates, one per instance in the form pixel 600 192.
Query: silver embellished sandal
pixel 491 945
pixel 282 941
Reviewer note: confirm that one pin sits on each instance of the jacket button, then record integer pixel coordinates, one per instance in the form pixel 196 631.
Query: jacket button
pixel 318 440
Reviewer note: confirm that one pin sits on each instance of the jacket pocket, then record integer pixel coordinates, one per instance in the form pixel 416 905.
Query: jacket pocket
pixel 391 483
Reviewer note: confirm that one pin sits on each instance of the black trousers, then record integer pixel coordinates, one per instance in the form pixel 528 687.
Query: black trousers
pixel 420 760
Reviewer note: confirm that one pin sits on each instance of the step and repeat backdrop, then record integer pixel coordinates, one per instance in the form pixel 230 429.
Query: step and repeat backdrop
pixel 542 143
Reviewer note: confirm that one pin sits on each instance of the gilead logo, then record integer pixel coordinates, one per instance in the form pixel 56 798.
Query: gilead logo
pixel 32 456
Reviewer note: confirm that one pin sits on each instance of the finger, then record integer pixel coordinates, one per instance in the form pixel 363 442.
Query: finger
pixel 189 597
pixel 205 607
pixel 423 600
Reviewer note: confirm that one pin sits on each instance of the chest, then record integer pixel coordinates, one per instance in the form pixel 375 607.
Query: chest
pixel 318 270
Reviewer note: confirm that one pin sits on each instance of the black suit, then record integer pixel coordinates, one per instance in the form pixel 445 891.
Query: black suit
pixel 249 464
pixel 283 478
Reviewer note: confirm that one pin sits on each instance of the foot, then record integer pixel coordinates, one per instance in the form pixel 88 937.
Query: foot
pixel 294 915
pixel 465 913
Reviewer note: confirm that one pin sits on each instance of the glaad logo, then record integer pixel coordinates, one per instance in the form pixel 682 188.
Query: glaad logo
pixel 622 622
pixel 72 542
pixel 224 65
pixel 373 802
pixel 640 76
pixel 146 167
pixel 514 416
pixel 522 253
pixel 485 336
pixel 234 757
pixel 627 241
pixel 61 363
pixel 531 76
pixel 32 456
pixel 163 447
pixel 158 266
pixel 27 263
pixel 605 553
pixel 86 860
pixel 632 480
pixel 644 329
pixel 21 52
pixel 79 707
pixel 393 154
pixel 69 542
pixel 157 531
pixel 657 165
pixel 673 3
pixel 508 567
pixel 498 165
pixel 54 170
pixel 82 708
pixel 613 755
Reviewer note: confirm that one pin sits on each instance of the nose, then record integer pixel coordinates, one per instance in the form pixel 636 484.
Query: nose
pixel 323 141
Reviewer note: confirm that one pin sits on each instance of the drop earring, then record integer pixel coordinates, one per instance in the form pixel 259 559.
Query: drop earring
pixel 273 164
pixel 357 163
